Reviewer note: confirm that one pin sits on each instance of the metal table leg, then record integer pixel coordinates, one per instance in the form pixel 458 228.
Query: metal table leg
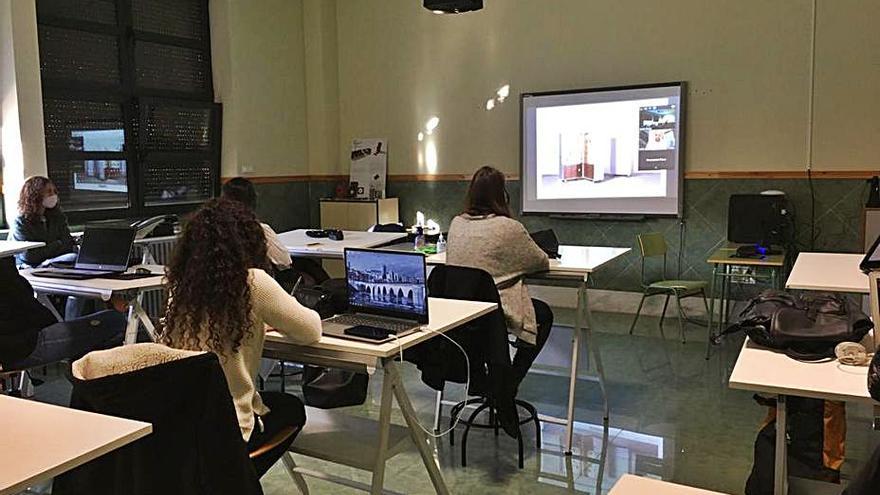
pixel 711 309
pixel 415 430
pixel 384 426
pixel 136 316
pixel 572 376
pixel 780 481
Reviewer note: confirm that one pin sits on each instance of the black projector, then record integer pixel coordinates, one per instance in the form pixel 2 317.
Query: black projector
pixel 453 6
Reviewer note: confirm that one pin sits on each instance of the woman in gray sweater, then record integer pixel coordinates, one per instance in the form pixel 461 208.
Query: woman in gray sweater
pixel 485 236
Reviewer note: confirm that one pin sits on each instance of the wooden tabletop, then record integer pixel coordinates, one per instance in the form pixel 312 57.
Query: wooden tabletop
pixel 299 244
pixel 444 315
pixel 11 248
pixel 629 484
pixel 96 287
pixel 834 272
pixel 759 369
pixel 40 441
pixel 724 256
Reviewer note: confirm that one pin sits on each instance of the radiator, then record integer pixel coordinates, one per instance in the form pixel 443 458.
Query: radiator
pixel 156 250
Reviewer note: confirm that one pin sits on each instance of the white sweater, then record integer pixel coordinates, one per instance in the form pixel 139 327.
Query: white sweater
pixel 272 307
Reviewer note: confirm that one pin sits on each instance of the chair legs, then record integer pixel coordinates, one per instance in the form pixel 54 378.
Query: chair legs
pixel 484 404
pixel 638 312
pixel 681 318
pixel 663 314
pixel 298 479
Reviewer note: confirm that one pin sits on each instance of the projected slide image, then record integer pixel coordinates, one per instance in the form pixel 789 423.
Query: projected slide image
pixel 598 150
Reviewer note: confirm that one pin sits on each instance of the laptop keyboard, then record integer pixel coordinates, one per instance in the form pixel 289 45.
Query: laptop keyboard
pixel 391 326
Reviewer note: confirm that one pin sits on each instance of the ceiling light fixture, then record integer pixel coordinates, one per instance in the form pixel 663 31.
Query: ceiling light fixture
pixel 452 6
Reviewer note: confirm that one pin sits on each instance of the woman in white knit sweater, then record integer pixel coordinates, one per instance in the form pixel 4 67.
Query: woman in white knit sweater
pixel 485 236
pixel 221 300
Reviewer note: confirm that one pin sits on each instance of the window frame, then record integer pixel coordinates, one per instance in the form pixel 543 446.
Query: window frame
pixel 130 97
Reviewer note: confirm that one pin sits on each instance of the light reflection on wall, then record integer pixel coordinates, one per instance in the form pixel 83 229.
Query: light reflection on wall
pixel 431 157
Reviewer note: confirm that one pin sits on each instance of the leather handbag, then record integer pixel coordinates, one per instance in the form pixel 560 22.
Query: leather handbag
pixel 547 241
pixel 806 327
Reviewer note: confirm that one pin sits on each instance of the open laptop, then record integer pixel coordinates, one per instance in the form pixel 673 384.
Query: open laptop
pixel 387 296
pixel 105 251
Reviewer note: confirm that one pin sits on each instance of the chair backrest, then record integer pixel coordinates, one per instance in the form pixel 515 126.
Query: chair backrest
pixel 460 282
pixel 650 245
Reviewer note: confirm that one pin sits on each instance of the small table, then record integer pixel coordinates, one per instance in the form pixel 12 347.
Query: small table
pixel 11 248
pixel 364 444
pixel 825 380
pixel 629 484
pixel 573 269
pixel 104 289
pixel 299 244
pixel 40 441
pixel 831 272
pixel 722 260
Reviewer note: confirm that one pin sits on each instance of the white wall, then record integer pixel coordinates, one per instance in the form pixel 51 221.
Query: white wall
pixel 21 103
pixel 259 77
pixel 747 63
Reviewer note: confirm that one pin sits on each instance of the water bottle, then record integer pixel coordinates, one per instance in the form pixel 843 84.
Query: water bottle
pixel 441 244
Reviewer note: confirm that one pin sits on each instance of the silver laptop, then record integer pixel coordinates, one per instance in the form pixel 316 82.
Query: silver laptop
pixel 104 251
pixel 387 296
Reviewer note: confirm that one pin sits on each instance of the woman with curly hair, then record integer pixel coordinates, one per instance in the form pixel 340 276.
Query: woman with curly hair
pixel 40 219
pixel 221 300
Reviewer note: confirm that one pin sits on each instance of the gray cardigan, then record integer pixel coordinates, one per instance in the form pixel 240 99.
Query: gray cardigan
pixel 502 247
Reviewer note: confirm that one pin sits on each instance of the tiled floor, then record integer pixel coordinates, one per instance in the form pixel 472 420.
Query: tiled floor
pixel 672 416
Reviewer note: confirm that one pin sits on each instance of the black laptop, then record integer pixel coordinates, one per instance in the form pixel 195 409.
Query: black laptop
pixel 105 251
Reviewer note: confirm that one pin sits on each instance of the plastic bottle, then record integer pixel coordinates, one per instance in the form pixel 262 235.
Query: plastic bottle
pixel 441 244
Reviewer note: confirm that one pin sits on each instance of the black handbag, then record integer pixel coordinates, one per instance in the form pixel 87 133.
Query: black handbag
pixel 329 388
pixel 806 327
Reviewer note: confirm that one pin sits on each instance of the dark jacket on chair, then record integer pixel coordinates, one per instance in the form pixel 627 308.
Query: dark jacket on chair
pixel 21 315
pixel 196 446
pixel 484 340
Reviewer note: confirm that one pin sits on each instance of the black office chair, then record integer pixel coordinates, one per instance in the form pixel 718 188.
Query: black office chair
pixel 492 377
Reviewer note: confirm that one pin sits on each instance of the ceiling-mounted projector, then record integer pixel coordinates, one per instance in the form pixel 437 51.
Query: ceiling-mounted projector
pixel 452 6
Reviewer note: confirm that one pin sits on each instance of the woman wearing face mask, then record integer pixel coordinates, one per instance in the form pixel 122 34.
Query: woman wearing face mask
pixel 40 219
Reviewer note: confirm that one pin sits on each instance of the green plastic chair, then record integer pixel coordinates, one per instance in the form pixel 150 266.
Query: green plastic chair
pixel 654 245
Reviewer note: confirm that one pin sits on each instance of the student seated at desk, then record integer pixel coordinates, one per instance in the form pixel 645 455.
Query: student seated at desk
pixel 220 300
pixel 485 236
pixel 242 190
pixel 40 219
pixel 30 336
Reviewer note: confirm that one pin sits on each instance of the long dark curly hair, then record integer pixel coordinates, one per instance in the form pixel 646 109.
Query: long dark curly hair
pixel 30 200
pixel 207 278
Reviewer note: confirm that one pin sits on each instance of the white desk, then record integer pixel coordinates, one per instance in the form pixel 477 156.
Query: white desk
pixel 636 485
pixel 767 371
pixel 104 289
pixel 11 248
pixel 833 272
pixel 40 441
pixel 573 269
pixel 368 447
pixel 299 244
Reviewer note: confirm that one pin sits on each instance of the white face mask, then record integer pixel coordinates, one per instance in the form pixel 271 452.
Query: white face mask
pixel 50 202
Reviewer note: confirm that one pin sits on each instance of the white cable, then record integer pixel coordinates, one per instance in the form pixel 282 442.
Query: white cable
pixel 467 384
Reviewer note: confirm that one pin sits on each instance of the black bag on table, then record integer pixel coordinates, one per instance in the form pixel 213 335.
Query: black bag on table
pixel 547 241
pixel 806 327
pixel 329 388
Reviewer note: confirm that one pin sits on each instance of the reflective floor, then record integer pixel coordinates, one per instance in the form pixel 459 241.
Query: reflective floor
pixel 672 417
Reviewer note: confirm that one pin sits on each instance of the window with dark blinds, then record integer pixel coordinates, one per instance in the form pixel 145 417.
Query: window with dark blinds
pixel 128 105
